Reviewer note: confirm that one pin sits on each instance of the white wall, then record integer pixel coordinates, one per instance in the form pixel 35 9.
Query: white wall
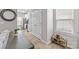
pixel 49 24
pixel 76 20
pixel 44 25
pixel 42 18
pixel 6 25
pixel 76 25
pixel 20 14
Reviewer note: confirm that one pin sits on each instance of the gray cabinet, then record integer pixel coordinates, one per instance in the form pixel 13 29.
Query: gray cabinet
pixel 3 39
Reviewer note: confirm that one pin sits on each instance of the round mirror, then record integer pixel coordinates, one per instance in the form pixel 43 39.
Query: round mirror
pixel 8 14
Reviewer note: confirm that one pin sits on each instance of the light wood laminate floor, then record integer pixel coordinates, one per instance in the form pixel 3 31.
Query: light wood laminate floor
pixel 39 44
pixel 19 42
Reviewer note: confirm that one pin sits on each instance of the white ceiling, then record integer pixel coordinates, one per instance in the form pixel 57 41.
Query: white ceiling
pixel 26 10
pixel 23 10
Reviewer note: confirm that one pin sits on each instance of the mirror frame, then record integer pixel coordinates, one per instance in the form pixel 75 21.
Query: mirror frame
pixel 2 14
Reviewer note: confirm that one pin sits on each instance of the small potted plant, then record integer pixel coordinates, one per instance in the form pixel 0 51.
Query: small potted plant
pixel 16 30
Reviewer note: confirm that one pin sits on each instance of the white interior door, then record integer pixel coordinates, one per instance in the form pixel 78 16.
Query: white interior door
pixel 36 23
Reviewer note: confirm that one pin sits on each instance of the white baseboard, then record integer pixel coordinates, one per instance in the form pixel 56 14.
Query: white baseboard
pixel 46 42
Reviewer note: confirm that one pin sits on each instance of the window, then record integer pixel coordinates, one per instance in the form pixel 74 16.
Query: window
pixel 64 20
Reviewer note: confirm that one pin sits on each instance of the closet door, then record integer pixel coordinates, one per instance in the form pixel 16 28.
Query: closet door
pixel 36 23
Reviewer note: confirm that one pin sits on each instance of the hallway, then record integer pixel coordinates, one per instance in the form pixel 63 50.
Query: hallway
pixel 42 24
